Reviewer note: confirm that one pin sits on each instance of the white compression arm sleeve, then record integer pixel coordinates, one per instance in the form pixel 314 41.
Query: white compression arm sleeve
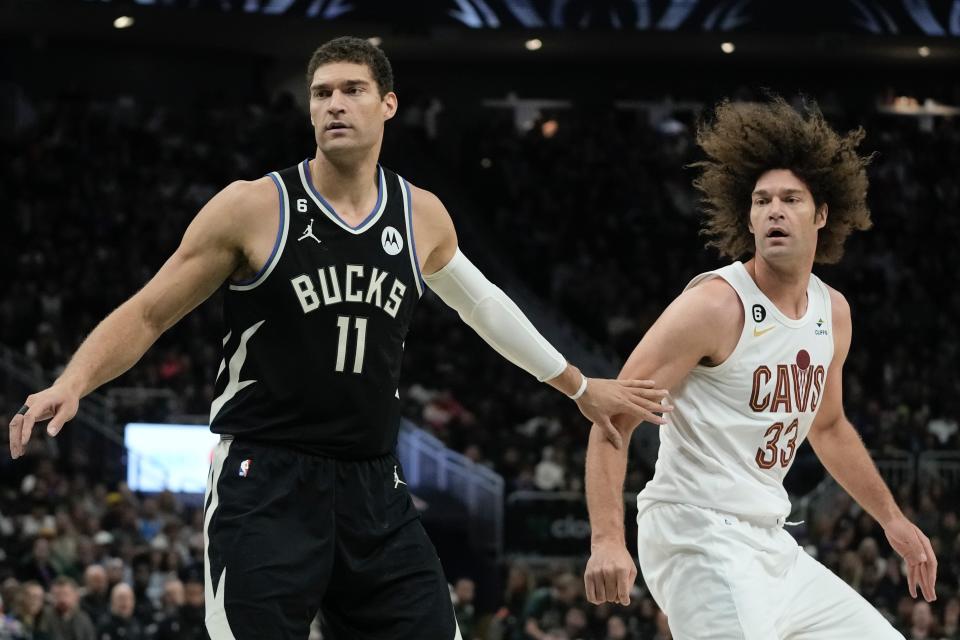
pixel 495 317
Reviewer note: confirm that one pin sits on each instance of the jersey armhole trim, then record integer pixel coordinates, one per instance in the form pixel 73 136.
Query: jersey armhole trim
pixel 741 343
pixel 408 219
pixel 278 244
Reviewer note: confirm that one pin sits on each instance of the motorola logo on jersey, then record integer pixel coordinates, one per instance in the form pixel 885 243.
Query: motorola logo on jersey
pixel 391 240
pixel 358 286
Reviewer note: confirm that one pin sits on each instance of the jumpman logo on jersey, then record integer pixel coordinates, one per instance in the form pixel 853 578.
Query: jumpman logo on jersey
pixel 308 233
pixel 396 478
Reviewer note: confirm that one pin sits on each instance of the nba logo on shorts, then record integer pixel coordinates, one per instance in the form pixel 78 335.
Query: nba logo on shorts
pixel 244 468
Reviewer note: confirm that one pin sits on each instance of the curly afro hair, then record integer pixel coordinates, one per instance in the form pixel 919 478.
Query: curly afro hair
pixel 745 140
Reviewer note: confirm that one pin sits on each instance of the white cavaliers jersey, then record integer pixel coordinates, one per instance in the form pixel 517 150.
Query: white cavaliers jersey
pixel 736 427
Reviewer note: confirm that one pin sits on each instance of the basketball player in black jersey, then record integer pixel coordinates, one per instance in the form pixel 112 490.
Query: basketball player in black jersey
pixel 306 506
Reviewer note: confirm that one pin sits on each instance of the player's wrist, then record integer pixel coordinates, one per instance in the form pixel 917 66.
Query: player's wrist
pixel 71 385
pixel 607 539
pixel 889 516
pixel 581 388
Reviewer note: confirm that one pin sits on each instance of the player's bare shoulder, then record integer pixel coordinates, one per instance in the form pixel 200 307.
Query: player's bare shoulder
pixel 427 208
pixel 249 203
pixel 717 315
pixel 718 303
pixel 247 213
pixel 433 230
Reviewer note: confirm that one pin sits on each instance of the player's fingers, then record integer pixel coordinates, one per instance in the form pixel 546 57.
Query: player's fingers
pixel 928 569
pixel 638 384
pixel 610 584
pixel 589 587
pixel 623 586
pixel 653 407
pixel 56 423
pixel 927 583
pixel 912 580
pixel 649 416
pixel 39 410
pixel 65 412
pixel 652 402
pixel 656 395
pixel 928 550
pixel 15 425
pixel 611 433
pixel 599 587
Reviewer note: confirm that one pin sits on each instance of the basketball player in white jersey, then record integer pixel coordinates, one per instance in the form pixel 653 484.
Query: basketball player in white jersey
pixel 753 356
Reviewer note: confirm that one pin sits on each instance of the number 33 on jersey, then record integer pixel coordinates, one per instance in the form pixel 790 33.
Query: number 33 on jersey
pixel 736 427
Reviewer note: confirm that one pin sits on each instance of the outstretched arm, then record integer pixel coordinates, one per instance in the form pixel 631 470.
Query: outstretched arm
pixel 500 322
pixel 840 449
pixel 703 324
pixel 210 251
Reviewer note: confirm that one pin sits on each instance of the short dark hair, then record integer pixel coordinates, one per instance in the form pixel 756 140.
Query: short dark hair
pixel 65 581
pixel 745 140
pixel 357 51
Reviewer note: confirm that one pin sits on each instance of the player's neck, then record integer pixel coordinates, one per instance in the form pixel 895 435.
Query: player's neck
pixel 785 287
pixel 348 186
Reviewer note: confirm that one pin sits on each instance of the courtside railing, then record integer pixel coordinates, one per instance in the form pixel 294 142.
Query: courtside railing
pixel 429 464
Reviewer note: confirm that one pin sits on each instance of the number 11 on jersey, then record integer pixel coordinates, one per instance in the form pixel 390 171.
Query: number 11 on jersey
pixel 360 325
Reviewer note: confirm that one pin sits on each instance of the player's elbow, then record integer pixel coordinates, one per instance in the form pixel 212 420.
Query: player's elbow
pixel 825 430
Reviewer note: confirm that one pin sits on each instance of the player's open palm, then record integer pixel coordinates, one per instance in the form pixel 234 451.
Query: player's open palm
pixel 58 404
pixel 907 540
pixel 610 574
pixel 639 399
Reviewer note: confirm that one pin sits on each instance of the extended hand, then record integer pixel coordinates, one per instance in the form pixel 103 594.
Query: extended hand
pixel 907 540
pixel 57 404
pixel 610 574
pixel 605 399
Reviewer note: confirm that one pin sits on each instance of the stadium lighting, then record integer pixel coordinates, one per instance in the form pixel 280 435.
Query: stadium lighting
pixel 727 47
pixel 375 40
pixel 486 163
pixel 533 44
pixel 123 22
pixel 924 52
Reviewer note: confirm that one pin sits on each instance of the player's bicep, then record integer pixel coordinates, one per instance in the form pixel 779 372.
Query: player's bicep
pixel 209 252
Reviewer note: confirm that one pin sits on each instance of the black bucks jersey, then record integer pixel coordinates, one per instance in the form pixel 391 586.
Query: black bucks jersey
pixel 314 342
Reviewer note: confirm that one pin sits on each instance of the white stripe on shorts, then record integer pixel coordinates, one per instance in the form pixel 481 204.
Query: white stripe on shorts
pixel 216 619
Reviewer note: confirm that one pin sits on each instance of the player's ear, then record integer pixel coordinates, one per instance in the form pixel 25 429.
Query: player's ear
pixel 389 103
pixel 820 216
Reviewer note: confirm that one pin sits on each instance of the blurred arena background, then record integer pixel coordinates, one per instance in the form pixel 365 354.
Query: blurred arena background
pixel 558 133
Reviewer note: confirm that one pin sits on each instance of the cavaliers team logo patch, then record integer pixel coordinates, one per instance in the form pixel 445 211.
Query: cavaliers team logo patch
pixel 391 240
pixel 245 468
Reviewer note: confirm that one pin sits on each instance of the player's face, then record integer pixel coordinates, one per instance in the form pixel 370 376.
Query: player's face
pixel 784 218
pixel 346 108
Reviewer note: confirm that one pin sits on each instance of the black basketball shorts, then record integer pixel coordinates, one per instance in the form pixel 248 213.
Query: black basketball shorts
pixel 288 534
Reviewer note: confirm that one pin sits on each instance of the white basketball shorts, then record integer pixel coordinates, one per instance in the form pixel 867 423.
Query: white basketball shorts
pixel 719 577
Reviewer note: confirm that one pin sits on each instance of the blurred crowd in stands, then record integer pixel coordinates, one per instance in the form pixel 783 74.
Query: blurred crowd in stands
pixel 83 561
pixel 592 210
